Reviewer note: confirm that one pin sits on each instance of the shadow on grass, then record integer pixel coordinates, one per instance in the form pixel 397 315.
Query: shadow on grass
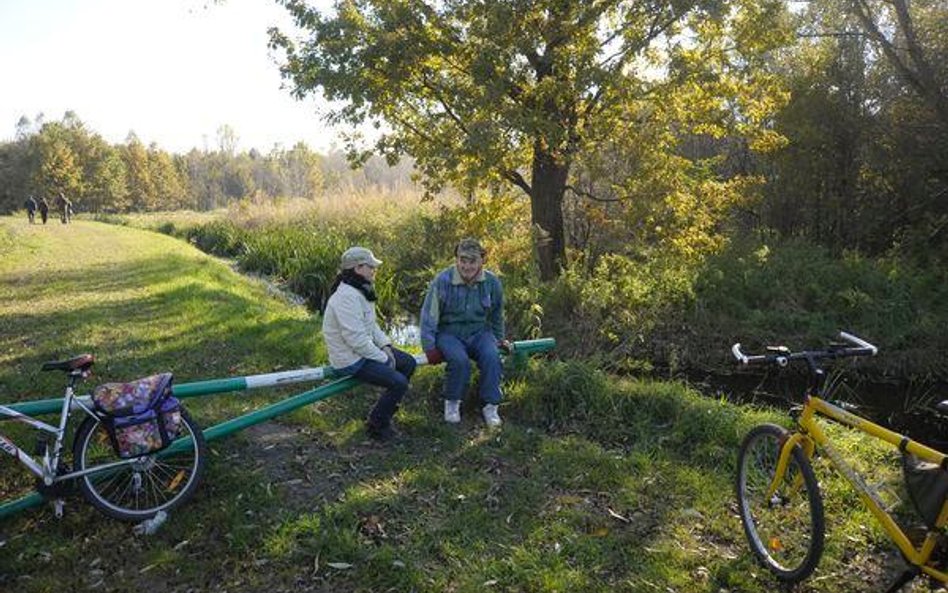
pixel 311 505
pixel 450 510
pixel 197 326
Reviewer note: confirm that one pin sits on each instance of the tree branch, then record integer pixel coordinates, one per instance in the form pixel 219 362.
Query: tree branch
pixel 585 194
pixel 922 80
pixel 517 179
pixel 444 104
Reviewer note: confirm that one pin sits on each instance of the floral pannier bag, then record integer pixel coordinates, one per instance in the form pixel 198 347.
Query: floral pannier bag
pixel 140 417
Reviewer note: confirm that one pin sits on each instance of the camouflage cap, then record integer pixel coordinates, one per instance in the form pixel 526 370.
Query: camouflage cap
pixel 470 247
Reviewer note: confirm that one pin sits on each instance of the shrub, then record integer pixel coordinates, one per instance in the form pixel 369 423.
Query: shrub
pixel 219 237
pixel 799 294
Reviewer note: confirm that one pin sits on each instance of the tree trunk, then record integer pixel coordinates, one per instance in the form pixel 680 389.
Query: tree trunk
pixel 546 207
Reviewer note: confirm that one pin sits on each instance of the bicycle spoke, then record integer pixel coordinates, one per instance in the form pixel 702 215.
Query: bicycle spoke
pixel 148 484
pixel 784 528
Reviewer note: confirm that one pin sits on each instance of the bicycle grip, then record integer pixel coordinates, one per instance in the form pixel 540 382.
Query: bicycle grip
pixel 857 341
pixel 740 356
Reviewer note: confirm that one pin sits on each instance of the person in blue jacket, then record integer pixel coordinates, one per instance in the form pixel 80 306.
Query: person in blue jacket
pixel 462 319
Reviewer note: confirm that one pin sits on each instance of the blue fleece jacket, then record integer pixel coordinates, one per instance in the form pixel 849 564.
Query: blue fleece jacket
pixel 455 307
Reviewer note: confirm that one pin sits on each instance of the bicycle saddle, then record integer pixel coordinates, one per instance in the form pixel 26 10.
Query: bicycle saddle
pixel 83 361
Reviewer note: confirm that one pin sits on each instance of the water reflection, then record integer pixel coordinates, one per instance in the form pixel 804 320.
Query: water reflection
pixel 405 331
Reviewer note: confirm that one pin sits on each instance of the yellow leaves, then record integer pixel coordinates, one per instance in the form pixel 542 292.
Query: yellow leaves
pixel 767 141
pixel 762 254
pixel 689 223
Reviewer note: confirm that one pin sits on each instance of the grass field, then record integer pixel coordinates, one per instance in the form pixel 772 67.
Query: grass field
pixel 593 484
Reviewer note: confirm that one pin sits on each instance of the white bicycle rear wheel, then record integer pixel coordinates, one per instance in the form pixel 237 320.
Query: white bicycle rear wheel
pixel 145 485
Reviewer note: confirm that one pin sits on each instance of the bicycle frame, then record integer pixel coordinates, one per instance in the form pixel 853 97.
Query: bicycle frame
pixel 47 467
pixel 811 435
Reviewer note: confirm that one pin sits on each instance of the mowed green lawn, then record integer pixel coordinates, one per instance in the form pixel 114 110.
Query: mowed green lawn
pixel 141 302
pixel 593 484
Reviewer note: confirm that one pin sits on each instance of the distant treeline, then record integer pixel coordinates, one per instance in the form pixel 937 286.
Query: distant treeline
pixel 49 157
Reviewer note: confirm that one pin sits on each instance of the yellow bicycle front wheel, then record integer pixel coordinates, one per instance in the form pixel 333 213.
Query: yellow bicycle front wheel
pixel 785 529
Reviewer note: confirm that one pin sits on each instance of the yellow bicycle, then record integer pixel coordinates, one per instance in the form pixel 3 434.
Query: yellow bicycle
pixel 780 504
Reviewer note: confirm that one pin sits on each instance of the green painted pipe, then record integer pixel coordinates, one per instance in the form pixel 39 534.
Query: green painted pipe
pixel 20 504
pixel 220 430
pixel 212 386
pixel 267 413
pixel 198 388
pixel 262 415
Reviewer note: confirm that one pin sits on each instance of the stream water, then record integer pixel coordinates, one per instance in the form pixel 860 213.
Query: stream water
pixel 404 331
pixel 903 406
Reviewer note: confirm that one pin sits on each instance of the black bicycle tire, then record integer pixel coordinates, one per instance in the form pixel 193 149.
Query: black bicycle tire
pixel 88 484
pixel 790 574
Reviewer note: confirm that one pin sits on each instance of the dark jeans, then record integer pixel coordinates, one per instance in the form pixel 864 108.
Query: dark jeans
pixel 395 382
pixel 458 353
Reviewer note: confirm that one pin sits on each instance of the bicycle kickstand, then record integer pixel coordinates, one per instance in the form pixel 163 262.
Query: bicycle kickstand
pixel 903 579
pixel 58 505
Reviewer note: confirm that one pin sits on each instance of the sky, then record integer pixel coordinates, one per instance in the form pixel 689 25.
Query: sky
pixel 172 71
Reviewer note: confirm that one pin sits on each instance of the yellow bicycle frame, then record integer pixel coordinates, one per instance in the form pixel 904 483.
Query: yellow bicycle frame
pixel 810 435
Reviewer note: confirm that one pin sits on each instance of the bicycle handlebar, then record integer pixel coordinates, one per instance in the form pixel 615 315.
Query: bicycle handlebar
pixel 782 356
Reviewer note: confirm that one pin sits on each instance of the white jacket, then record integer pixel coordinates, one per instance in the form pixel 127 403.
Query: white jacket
pixel 351 330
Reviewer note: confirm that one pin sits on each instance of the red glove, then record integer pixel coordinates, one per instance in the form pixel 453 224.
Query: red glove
pixel 505 346
pixel 434 356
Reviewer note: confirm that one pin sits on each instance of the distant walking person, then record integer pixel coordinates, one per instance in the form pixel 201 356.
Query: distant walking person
pixel 30 206
pixel 65 208
pixel 44 209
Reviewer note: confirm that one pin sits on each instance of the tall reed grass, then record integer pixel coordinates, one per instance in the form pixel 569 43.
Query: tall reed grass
pixel 299 242
pixel 635 309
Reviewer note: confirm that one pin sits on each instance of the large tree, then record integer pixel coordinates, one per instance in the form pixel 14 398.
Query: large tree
pixel 513 91
pixel 59 161
pixel 107 178
pixel 143 195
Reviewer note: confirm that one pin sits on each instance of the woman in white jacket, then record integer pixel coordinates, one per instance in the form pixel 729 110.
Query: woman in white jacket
pixel 357 345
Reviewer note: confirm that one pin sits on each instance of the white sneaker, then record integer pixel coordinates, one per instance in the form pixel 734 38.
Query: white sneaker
pixel 491 417
pixel 452 411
